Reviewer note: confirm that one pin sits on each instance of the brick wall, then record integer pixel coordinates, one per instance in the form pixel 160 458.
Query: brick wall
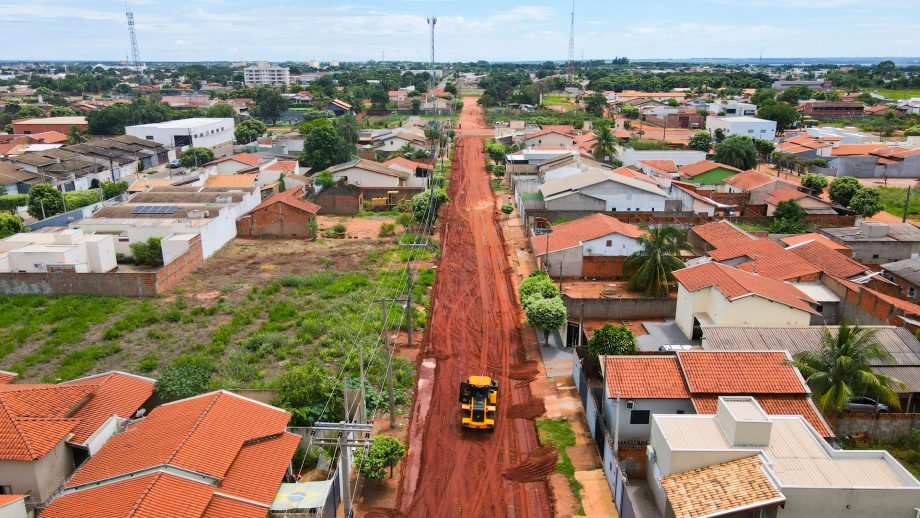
pixel 276 220
pixel 114 284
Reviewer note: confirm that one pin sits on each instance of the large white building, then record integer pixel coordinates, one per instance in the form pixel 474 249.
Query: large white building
pixel 266 74
pixel 67 250
pixel 216 133
pixel 744 125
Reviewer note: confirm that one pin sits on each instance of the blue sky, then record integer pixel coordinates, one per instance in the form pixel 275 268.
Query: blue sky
pixel 193 30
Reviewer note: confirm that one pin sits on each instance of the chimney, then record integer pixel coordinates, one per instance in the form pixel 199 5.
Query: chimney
pixel 743 421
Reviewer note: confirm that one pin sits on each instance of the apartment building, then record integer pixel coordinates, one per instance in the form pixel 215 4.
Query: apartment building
pixel 266 74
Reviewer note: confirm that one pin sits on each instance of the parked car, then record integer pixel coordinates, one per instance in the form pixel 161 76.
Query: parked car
pixel 173 164
pixel 866 404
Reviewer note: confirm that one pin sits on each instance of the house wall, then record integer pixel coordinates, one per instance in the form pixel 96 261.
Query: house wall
pixel 339 204
pixel 575 201
pixel 41 477
pixel 869 503
pixel 691 204
pixel 364 178
pixel 216 134
pixel 630 156
pixel 276 220
pixel 640 432
pixel 394 143
pixel 880 252
pixel 906 287
pixel 620 197
pixel 760 129
pixel 568 262
pixel 22 128
pixel 751 310
pixel 14 510
pixel 552 140
pixel 620 245
pixel 621 308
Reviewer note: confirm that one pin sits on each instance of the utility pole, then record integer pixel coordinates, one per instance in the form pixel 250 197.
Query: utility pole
pixel 346 436
pixel 616 428
pixel 386 347
pixel 906 205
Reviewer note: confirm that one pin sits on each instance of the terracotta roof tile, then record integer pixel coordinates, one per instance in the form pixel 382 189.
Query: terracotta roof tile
pixel 7 377
pixel 784 194
pixel 766 258
pixel 665 166
pixel 721 489
pixel 632 173
pixel 573 233
pixel 290 197
pixel 828 260
pixel 259 468
pixel 812 236
pixel 748 180
pixel 116 393
pixel 855 149
pixel 243 158
pixel 285 166
pixel 645 377
pixel 775 405
pixel 406 164
pixel 740 372
pixel 231 180
pixel 721 233
pixel 734 283
pixel 703 166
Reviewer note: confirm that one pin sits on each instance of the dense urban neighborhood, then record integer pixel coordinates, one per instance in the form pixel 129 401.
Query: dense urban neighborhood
pixel 382 288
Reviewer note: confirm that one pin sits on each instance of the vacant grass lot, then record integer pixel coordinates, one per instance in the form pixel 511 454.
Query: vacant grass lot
pixel 893 201
pixel 254 312
pixel 899 94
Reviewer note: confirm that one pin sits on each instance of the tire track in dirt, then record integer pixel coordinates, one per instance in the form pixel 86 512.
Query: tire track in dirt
pixel 474 329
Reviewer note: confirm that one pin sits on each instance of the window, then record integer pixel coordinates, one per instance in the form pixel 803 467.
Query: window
pixel 680 412
pixel 149 137
pixel 639 416
pixel 875 256
pixel 609 242
pixel 750 131
pixel 911 292
pixel 6 490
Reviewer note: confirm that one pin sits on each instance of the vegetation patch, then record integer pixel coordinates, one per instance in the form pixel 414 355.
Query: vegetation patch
pixel 559 433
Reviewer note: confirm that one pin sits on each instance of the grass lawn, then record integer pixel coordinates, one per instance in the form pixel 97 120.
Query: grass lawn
pixel 899 94
pixel 558 432
pixel 255 311
pixel 893 200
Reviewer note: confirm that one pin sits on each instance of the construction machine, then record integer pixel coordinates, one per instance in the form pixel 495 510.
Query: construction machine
pixel 478 401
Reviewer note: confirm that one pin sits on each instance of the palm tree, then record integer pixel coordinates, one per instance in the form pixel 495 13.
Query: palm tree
pixel 651 270
pixel 76 136
pixel 604 145
pixel 433 133
pixel 737 151
pixel 841 369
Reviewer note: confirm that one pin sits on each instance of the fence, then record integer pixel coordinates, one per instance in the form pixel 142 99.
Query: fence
pixel 881 426
pixel 615 477
pixel 621 308
pixel 65 218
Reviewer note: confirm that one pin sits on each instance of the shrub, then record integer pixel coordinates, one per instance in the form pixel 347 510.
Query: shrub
pixel 324 179
pixel 196 156
pixel 790 210
pixel 404 219
pixel 186 376
pixel 387 230
pixel 614 340
pixel 540 285
pixel 842 189
pixel 148 252
pixel 148 362
pixel 867 201
pixel 9 224
pixel 507 209
pixel 815 182
pixel 304 391
pixel 11 202
pixel 384 451
pixel 336 231
pixel 422 200
pixel 77 199
pixel 113 189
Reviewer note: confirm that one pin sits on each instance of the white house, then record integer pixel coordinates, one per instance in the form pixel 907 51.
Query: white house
pixel 732 108
pixel 66 250
pixel 367 173
pixel 753 127
pixel 600 189
pixel 550 138
pixel 599 241
pixel 215 134
pixel 630 156
pixel 394 141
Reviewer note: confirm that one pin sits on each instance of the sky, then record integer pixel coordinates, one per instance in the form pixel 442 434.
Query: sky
pixel 467 30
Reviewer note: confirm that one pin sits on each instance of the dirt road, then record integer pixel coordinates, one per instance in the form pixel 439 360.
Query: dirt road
pixel 474 329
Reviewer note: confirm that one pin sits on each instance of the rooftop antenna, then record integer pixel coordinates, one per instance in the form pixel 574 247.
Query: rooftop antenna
pixel 570 68
pixel 432 22
pixel 135 55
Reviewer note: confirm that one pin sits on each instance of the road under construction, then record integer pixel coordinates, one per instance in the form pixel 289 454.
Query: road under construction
pixel 474 329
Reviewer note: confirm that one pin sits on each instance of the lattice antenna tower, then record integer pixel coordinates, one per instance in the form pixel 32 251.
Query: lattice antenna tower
pixel 135 54
pixel 432 22
pixel 570 67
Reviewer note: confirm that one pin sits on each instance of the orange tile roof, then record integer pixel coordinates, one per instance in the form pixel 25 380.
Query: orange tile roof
pixel 203 434
pixel 665 166
pixel 621 133
pixel 285 166
pixel 644 377
pixel 231 180
pixel 260 460
pixel 855 149
pixel 291 197
pixel 405 163
pixel 36 418
pixel 243 158
pixel 813 236
pixel 784 194
pixel 828 260
pixel 775 405
pixel 573 233
pixel 50 137
pixel 721 489
pixel 7 377
pixel 6 500
pixel 632 173
pixel 895 152
pixel 766 258
pixel 703 166
pixel 793 148
pixel 721 233
pixel 747 180
pixel 547 132
pixel 740 372
pixel 115 393
pixel 734 284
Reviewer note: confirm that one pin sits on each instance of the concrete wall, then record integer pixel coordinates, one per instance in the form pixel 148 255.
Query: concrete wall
pixel 620 309
pixel 625 198
pixel 885 427
pixel 41 477
pixel 576 201
pixel 641 432
pixel 867 166
pixel 867 503
pixel 567 263
pixel 365 178
pixel 630 156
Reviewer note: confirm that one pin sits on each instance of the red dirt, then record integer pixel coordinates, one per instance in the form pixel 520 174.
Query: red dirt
pixel 474 329
pixel 532 409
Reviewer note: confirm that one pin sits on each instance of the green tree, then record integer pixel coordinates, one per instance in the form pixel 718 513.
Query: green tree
pixel 304 390
pixel 842 189
pixel 384 451
pixel 249 130
pixel 790 210
pixel 270 104
pixel 186 376
pixel 486 101
pixel 433 134
pixel 612 340
pixel 324 148
pixel 75 135
pixel 545 315
pixel 196 156
pixel 29 111
pixel 45 201
pixel 700 141
pixel 507 209
pixel 737 151
pixel 651 270
pixel 815 182
pixel 422 201
pixel 841 369
pixel 719 135
pixel 324 179
pixel 764 148
pixel 913 131
pixel 783 114
pixel 148 252
pixel 9 224
pixel 11 202
pixel 63 111
pixel 596 104
pixel 497 152
pixel 415 106
pixel 113 189
pixel 867 201
pixel 762 96
pixel 539 284
pixel 222 110
pixel 347 128
pixel 604 145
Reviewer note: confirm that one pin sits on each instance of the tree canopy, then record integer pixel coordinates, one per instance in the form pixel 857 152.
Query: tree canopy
pixel 842 189
pixel 737 151
pixel 651 269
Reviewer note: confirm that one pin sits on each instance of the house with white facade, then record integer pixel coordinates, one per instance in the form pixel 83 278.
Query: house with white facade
pixel 732 108
pixel 602 190
pixel 594 246
pixel 266 74
pixel 67 250
pixel 215 134
pixel 367 173
pixel 746 125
